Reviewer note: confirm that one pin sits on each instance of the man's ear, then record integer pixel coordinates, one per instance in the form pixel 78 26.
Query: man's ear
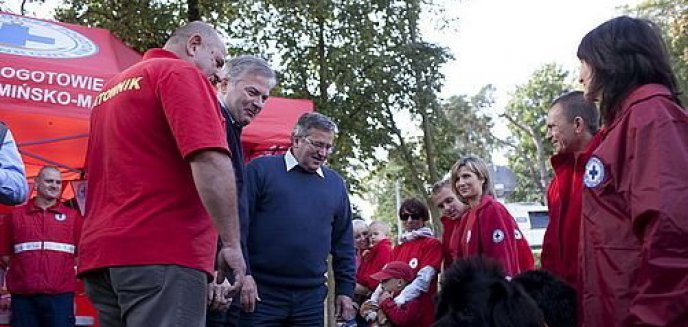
pixel 192 44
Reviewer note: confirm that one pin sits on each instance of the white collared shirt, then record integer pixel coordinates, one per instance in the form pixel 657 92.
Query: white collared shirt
pixel 291 162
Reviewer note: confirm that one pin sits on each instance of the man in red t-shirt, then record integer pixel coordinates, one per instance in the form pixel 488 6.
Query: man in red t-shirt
pixel 571 125
pixel 38 241
pixel 159 179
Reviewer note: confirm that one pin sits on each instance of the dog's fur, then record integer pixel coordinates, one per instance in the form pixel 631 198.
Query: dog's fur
pixel 475 293
pixel 556 299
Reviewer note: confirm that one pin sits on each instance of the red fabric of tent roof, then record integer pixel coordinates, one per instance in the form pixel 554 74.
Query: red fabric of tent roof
pixel 50 72
pixel 270 133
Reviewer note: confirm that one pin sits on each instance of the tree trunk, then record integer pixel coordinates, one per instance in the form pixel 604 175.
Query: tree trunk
pixel 193 13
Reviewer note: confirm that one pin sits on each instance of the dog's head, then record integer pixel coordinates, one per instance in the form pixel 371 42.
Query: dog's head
pixel 476 293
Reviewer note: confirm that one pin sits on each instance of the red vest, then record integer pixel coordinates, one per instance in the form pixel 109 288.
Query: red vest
pixel 42 246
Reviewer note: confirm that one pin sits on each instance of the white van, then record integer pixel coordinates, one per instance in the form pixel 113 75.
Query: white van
pixel 532 219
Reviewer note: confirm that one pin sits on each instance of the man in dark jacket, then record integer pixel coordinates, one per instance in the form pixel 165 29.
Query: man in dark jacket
pixel 242 92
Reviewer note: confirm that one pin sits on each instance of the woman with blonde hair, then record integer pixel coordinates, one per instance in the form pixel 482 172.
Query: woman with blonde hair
pixel 486 229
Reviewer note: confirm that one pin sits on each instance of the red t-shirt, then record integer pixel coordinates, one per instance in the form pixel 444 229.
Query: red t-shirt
pixel 372 262
pixel 143 207
pixel 419 253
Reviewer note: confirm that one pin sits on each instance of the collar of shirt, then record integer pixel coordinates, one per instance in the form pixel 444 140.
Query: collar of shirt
pixel 291 162
pixel 57 207
pixel 223 106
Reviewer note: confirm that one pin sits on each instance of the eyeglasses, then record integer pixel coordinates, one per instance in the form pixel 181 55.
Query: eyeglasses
pixel 329 148
pixel 412 216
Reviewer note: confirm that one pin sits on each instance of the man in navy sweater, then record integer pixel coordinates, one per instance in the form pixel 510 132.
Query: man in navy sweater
pixel 242 92
pixel 299 212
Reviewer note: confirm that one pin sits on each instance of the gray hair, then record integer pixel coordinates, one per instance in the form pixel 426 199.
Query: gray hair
pixel 312 120
pixel 239 66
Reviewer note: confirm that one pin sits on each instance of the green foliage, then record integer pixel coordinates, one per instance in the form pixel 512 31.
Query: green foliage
pixel 527 113
pixel 672 17
pixel 143 24
pixel 460 127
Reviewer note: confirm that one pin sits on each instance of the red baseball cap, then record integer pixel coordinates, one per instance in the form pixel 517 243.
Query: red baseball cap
pixel 395 269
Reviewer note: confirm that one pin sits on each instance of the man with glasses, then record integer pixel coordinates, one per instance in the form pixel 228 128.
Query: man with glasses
pixel 299 213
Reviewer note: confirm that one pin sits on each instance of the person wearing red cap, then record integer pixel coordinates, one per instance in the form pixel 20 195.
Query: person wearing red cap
pixel 393 278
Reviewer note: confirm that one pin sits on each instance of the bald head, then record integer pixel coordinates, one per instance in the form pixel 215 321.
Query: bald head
pixel 200 44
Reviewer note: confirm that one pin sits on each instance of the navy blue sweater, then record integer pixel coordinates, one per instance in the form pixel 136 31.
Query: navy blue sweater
pixel 296 219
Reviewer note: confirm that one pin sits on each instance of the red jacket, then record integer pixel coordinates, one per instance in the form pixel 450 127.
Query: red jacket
pixel 490 230
pixel 449 226
pixel 635 216
pixel 564 201
pixel 406 315
pixel 419 253
pixel 372 261
pixel 42 247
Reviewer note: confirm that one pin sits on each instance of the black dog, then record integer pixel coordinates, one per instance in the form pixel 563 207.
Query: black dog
pixel 475 293
pixel 556 299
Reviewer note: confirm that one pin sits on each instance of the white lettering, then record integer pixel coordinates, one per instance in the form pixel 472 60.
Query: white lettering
pixel 83 100
pixel 38 76
pixel 23 75
pixel 64 98
pixel 7 72
pixel 98 84
pixel 63 79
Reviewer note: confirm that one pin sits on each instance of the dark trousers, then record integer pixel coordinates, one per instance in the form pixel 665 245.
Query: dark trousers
pixel 227 318
pixel 150 296
pixel 287 307
pixel 42 310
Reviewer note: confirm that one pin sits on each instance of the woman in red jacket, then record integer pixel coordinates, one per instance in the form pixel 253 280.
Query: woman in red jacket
pixel 486 229
pixel 634 258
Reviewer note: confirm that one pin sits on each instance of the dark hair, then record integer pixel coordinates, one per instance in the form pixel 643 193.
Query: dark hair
pixel 416 207
pixel 623 54
pixel 556 299
pixel 574 104
pixel 312 120
pixel 475 293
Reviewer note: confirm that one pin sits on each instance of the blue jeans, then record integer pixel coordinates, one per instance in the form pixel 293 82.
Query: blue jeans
pixel 42 310
pixel 287 307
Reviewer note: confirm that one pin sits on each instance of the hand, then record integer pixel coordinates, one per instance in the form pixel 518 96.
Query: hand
pixel 230 260
pixel 384 296
pixel 217 295
pixel 344 307
pixel 360 289
pixel 249 294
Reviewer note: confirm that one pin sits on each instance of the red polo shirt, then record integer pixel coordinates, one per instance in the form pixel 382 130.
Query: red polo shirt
pixel 142 205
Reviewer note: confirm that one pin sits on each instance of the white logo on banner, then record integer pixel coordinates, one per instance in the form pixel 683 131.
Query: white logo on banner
pixel 35 38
